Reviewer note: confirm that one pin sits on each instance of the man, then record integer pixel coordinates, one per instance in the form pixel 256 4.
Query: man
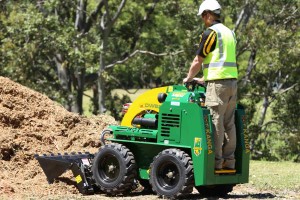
pixel 217 56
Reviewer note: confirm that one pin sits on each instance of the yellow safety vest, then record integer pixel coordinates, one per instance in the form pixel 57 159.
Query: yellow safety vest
pixel 221 62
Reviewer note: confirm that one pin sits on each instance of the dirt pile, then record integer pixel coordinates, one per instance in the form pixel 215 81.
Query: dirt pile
pixel 30 123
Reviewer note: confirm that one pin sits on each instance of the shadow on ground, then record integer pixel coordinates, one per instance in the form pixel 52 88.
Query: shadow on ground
pixel 199 196
pixel 140 193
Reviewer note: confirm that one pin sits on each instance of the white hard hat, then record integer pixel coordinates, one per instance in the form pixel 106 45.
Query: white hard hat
pixel 211 5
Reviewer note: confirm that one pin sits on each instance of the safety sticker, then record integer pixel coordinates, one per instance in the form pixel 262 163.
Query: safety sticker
pixel 78 179
pixel 178 94
pixel 174 103
pixel 197 146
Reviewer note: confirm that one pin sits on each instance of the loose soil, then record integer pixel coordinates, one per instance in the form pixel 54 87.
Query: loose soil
pixel 31 123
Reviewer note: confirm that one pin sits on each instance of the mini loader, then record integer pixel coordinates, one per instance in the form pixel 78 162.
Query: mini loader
pixel 164 142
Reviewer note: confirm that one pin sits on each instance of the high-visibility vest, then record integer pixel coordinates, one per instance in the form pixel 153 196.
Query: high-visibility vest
pixel 221 62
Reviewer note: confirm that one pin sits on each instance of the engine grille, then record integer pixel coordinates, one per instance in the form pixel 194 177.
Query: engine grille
pixel 169 121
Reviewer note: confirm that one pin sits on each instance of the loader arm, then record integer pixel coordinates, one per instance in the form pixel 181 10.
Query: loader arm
pixel 145 103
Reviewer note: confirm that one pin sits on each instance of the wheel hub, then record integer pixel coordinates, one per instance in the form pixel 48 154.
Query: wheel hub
pixel 171 175
pixel 168 175
pixel 111 168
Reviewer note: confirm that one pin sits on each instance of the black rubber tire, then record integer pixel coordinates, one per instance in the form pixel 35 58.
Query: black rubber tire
pixel 114 169
pixel 172 173
pixel 215 190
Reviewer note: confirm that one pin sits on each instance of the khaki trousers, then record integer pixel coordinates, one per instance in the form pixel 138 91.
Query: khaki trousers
pixel 221 96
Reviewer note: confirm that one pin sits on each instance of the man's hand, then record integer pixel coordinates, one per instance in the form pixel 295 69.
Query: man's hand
pixel 200 80
pixel 187 80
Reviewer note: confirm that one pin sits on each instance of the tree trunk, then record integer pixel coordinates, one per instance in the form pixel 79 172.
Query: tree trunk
pixel 95 98
pixel 62 72
pixel 80 82
pixel 64 79
pixel 72 78
pixel 265 107
pixel 80 21
pixel 107 22
pixel 251 66
pixel 79 72
pixel 100 81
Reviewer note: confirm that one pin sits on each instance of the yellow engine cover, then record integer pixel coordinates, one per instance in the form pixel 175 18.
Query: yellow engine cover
pixel 145 103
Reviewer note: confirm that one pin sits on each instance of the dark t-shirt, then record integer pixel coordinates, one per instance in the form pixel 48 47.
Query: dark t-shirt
pixel 207 41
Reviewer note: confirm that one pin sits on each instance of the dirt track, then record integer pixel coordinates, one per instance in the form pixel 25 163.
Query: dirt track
pixel 30 123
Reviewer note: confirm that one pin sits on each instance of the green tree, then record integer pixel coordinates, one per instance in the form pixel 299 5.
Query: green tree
pixel 268 35
pixel 41 49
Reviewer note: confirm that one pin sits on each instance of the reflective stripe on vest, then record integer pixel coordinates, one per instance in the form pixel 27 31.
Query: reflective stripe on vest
pixel 221 63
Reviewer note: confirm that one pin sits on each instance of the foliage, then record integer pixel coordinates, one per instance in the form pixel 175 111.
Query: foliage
pixel 268 47
pixel 288 124
pixel 115 105
pixel 165 31
pixel 34 39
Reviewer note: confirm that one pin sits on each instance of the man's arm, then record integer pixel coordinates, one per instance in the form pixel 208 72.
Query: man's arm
pixel 194 69
pixel 207 45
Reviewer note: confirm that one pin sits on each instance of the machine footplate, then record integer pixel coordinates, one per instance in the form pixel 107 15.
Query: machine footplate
pixel 225 171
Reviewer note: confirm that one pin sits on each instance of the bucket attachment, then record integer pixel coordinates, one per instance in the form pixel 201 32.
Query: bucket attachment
pixel 80 164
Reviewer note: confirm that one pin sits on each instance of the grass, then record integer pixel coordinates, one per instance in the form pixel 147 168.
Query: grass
pixel 275 176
